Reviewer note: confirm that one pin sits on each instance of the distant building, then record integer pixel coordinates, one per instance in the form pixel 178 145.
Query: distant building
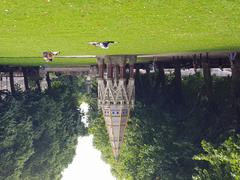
pixel 116 95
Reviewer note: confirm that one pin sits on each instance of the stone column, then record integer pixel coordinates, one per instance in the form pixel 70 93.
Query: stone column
pixel 100 62
pixel 115 71
pixel 122 64
pixel 109 67
pixel 122 71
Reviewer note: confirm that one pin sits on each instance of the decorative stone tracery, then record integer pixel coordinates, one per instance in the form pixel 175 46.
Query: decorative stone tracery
pixel 116 95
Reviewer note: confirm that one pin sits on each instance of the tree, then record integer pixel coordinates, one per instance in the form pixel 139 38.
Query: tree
pixel 48 80
pixel 177 81
pixel 25 76
pixel 207 76
pixel 223 161
pixel 39 131
pixel 162 136
pixel 16 139
pixel 12 86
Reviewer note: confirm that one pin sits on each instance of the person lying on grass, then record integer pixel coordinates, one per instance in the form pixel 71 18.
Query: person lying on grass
pixel 49 55
pixel 103 45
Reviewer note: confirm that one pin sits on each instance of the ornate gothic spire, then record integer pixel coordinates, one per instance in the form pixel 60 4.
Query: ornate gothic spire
pixel 116 95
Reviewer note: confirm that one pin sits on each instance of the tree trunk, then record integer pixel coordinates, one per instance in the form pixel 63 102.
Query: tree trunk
pixel 178 82
pixel 147 69
pixel 207 77
pixel 147 79
pixel 137 77
pixel 48 81
pixel 38 85
pixel 159 78
pixel 162 76
pixel 25 76
pixel 235 83
pixel 12 82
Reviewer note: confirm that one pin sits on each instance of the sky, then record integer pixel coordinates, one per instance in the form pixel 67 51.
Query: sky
pixel 87 163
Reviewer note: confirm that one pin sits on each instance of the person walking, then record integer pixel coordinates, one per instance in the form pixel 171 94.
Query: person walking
pixel 103 45
pixel 49 55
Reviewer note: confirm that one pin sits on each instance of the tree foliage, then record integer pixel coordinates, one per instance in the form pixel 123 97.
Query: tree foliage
pixel 39 131
pixel 224 160
pixel 164 134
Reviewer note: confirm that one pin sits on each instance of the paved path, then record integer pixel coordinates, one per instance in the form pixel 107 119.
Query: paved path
pixel 185 54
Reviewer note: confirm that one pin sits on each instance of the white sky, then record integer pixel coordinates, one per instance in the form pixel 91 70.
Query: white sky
pixel 87 163
pixel 84 109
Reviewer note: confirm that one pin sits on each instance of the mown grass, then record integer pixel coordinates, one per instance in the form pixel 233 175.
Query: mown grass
pixel 141 26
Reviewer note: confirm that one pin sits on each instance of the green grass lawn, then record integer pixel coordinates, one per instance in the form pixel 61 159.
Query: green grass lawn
pixel 141 26
pixel 29 61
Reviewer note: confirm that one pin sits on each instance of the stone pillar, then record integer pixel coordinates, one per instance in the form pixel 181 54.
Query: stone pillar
pixel 109 67
pixel 115 71
pixel 100 62
pixel 131 70
pixel 122 71
pixel 122 65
